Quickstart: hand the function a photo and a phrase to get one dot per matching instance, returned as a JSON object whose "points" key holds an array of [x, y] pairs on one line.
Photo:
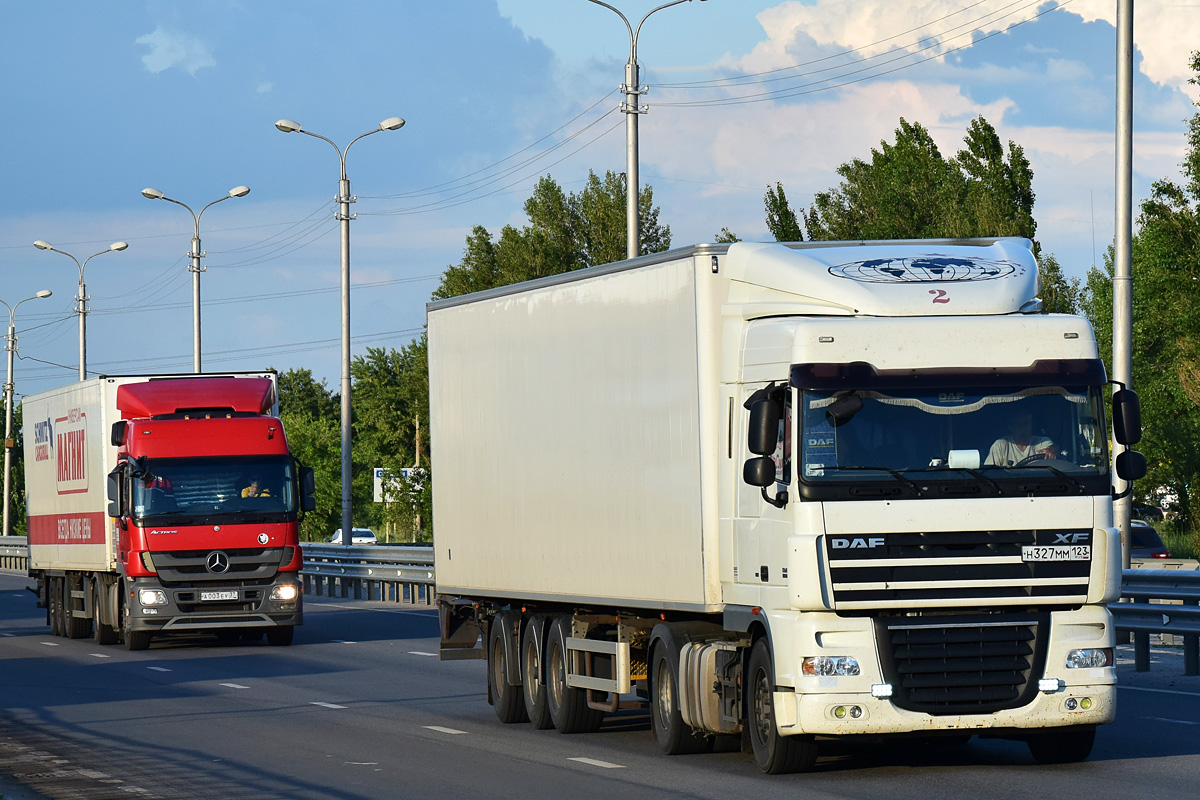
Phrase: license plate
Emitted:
{"points": [[1061, 552], [218, 596]]}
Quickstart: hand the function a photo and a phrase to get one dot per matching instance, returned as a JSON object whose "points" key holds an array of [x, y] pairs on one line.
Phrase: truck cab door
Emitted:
{"points": [[760, 529]]}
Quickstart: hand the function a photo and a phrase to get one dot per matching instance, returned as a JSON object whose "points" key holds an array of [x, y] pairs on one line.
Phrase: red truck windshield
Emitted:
{"points": [[204, 490]]}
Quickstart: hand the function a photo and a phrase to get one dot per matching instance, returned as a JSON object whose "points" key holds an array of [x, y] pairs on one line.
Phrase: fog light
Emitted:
{"points": [[1072, 704], [152, 597], [855, 712], [1089, 658], [284, 592], [840, 712], [1085, 703], [825, 666]]}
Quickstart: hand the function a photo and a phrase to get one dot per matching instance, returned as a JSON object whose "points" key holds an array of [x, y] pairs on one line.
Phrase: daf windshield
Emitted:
{"points": [[201, 491], [1037, 431]]}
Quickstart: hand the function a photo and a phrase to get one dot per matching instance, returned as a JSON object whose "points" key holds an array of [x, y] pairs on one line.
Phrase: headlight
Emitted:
{"points": [[830, 665], [152, 597], [1092, 657], [284, 592]]}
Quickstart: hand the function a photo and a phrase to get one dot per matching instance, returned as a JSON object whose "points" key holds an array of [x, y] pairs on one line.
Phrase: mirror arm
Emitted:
{"points": [[779, 501]]}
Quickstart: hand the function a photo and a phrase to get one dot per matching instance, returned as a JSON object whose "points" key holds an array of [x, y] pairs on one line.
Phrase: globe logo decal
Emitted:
{"points": [[925, 269]]}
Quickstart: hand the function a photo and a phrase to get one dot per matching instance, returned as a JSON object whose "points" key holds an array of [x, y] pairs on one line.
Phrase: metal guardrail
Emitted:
{"points": [[1163, 602], [13, 553], [369, 572]]}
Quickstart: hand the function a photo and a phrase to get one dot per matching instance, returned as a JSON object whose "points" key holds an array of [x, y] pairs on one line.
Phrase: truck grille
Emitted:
{"points": [[191, 566], [982, 568], [963, 665]]}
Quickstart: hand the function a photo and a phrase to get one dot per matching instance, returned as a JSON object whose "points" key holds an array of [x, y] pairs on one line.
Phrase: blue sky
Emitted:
{"points": [[102, 100]]}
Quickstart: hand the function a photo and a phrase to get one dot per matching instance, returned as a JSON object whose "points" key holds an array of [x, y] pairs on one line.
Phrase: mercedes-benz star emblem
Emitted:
{"points": [[217, 562]]}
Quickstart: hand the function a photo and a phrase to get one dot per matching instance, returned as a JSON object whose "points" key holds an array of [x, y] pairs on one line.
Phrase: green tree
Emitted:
{"points": [[726, 236], [781, 218], [299, 391], [908, 190], [1060, 294], [18, 518], [317, 442]]}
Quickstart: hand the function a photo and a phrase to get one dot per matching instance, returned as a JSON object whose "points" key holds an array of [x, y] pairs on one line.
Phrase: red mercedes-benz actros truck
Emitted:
{"points": [[165, 504]]}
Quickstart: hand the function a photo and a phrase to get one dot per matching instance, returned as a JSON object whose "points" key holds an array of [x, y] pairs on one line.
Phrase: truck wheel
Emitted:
{"points": [[102, 632], [508, 702], [137, 640], [675, 737], [282, 636], [568, 706], [1062, 746], [774, 754], [533, 687]]}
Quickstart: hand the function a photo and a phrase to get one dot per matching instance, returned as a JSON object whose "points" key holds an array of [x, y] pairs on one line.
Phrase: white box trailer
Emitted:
{"points": [[652, 477]]}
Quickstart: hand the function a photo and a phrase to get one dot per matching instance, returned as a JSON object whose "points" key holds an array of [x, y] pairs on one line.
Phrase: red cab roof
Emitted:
{"points": [[179, 395]]}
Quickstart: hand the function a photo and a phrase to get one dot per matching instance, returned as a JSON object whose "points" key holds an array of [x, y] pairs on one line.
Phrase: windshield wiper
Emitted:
{"points": [[916, 489]]}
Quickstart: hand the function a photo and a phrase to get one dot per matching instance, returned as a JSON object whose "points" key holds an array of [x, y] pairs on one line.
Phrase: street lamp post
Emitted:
{"points": [[633, 90], [195, 255], [10, 344], [343, 215], [82, 298]]}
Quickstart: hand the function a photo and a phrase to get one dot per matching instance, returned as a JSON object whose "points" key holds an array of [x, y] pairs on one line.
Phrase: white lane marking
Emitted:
{"points": [[1177, 721], [419, 653], [342, 641], [361, 763], [326, 705], [7, 634], [50, 644], [99, 655], [440, 729], [1160, 691], [595, 763], [235, 686], [159, 669]]}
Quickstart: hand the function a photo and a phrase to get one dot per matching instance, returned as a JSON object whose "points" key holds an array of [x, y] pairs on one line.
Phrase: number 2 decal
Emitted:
{"points": [[939, 295]]}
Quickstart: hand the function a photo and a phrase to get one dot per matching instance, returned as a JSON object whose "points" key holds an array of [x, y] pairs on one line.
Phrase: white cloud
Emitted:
{"points": [[1164, 34], [173, 49], [265, 87]]}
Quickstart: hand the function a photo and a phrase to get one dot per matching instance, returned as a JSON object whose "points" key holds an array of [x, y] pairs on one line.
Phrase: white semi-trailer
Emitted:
{"points": [[782, 491]]}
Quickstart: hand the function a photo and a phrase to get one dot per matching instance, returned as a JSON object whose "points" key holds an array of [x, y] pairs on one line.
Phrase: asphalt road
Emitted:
{"points": [[360, 707]]}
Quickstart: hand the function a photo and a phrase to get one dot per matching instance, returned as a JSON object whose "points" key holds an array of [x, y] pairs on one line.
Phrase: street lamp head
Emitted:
{"points": [[44, 293], [152, 194], [391, 124], [118, 245], [40, 245], [239, 191], [288, 126]]}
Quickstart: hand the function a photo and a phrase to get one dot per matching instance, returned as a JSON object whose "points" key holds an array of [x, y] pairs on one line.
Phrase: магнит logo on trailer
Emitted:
{"points": [[70, 446]]}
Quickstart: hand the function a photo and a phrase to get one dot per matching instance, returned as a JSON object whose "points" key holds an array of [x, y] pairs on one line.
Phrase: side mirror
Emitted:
{"points": [[759, 471], [1127, 417], [1131, 465], [763, 435], [308, 488], [843, 409], [116, 437], [114, 492]]}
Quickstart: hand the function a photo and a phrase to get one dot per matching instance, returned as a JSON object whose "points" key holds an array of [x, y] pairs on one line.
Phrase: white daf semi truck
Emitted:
{"points": [[782, 491]]}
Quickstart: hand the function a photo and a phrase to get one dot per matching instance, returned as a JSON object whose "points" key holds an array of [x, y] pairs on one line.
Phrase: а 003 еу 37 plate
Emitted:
{"points": [[1063, 552], [231, 595]]}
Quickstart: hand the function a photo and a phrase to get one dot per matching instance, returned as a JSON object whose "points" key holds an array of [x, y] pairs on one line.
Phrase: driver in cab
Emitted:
{"points": [[1021, 445]]}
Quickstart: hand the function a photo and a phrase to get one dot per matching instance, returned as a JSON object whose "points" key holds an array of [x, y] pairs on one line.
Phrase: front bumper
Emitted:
{"points": [[186, 610]]}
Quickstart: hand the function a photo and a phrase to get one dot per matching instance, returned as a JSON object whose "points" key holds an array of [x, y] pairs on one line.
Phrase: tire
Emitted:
{"points": [[1062, 746], [533, 686], [675, 737], [506, 699], [137, 640], [774, 754], [102, 633], [281, 636], [568, 706]]}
